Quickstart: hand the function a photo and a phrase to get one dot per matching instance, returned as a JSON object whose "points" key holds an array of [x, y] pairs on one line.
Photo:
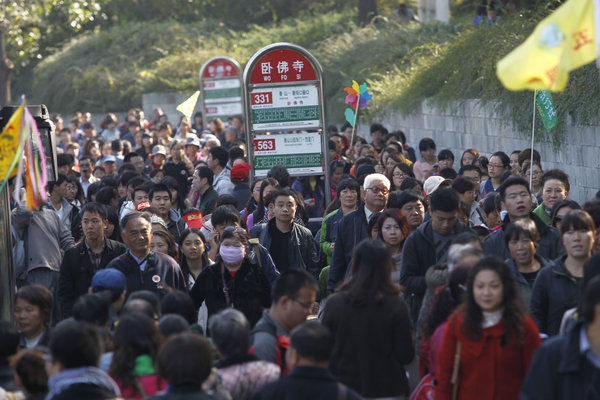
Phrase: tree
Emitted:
{"points": [[6, 67]]}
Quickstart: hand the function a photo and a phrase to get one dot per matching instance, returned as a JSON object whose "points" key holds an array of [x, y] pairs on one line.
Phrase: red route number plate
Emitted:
{"points": [[262, 98], [264, 144]]}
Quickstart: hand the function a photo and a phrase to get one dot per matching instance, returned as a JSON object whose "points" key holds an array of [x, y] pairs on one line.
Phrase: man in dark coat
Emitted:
{"points": [[91, 255], [145, 269], [516, 199], [567, 367], [310, 348], [353, 227], [429, 245]]}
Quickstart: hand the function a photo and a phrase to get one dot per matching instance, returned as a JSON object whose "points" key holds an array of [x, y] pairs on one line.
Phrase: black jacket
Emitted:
{"points": [[418, 254], [249, 291], [549, 246], [161, 276], [559, 371], [187, 392], [76, 272], [302, 249], [555, 291], [351, 230], [305, 383]]}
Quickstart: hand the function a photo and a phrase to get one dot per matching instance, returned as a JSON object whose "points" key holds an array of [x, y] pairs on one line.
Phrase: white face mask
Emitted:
{"points": [[232, 254]]}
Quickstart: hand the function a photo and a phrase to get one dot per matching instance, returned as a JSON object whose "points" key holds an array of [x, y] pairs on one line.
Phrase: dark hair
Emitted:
{"points": [[38, 296], [220, 154], [511, 299], [521, 228], [106, 194], [30, 367], [404, 168], [558, 175], [446, 300], [346, 183], [182, 258], [225, 215], [178, 302], [126, 176], [136, 335], [504, 158], [590, 299], [159, 187], [572, 204], [577, 220], [410, 183], [592, 207], [489, 203], [398, 199], [426, 143], [469, 167], [59, 181], [109, 180], [377, 127], [512, 181], [75, 344], [280, 174], [127, 158], [230, 332], [462, 185], [93, 189], [95, 208], [185, 358], [205, 172], [235, 153], [259, 213], [525, 155], [445, 154], [290, 282], [473, 152], [172, 324], [448, 173], [283, 192], [238, 233], [226, 200], [397, 216], [312, 340], [445, 200], [370, 279], [93, 308], [149, 297], [171, 247], [9, 341]]}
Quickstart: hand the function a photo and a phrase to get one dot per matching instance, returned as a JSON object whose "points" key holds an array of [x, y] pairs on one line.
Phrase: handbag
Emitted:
{"points": [[455, 371]]}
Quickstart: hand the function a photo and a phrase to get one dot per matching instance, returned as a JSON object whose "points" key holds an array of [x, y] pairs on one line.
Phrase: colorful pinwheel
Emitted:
{"points": [[357, 97]]}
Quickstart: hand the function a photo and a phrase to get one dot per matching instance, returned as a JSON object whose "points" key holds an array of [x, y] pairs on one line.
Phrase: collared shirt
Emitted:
{"points": [[95, 258], [141, 261], [586, 348], [368, 214]]}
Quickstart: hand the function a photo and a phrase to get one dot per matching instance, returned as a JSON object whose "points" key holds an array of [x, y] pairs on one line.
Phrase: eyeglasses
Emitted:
{"points": [[306, 305], [377, 190], [400, 176], [490, 165]]}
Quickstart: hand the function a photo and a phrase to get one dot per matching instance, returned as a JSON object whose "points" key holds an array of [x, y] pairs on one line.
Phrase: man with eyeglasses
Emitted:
{"points": [[353, 227], [429, 245], [516, 200], [86, 166]]}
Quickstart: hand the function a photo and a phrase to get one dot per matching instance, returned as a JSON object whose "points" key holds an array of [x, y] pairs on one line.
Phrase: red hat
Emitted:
{"points": [[142, 205], [239, 172], [193, 219]]}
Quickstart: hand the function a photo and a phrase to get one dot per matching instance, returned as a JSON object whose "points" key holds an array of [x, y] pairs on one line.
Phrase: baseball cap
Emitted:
{"points": [[193, 141], [239, 172], [432, 183], [159, 149], [109, 279], [109, 158]]}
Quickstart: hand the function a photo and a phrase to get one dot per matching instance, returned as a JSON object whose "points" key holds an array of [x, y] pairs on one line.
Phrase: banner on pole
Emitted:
{"points": [[545, 106]]}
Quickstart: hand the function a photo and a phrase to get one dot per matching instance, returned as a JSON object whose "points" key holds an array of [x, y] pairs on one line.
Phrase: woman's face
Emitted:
{"points": [[147, 141], [578, 242], [560, 214], [95, 150], [336, 175], [495, 168], [108, 231], [158, 244], [348, 198], [213, 127], [398, 176], [553, 192], [356, 147], [468, 197], [192, 247], [256, 191], [177, 152], [537, 175], [384, 157], [268, 190], [389, 163], [488, 290], [522, 250], [232, 242], [391, 233], [467, 159], [174, 194], [28, 318], [428, 154], [514, 163], [106, 149]]}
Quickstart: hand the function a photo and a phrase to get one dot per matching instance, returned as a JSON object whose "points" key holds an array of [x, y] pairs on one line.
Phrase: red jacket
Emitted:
{"points": [[488, 370]]}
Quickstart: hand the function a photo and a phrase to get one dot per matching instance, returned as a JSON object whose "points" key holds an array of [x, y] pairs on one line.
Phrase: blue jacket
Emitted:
{"points": [[559, 371], [549, 247], [351, 230]]}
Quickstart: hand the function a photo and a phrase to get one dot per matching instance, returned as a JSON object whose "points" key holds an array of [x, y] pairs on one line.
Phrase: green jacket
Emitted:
{"points": [[540, 211]]}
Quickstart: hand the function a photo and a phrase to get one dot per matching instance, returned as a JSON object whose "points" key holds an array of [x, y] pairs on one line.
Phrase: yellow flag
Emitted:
{"points": [[9, 144], [187, 107], [561, 42]]}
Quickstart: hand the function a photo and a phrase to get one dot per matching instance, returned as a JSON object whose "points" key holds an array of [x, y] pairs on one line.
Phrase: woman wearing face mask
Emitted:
{"points": [[233, 281]]}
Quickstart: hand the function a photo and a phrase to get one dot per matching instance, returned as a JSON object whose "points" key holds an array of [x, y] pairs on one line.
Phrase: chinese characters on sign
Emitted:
{"points": [[221, 89], [283, 66], [288, 108], [300, 153]]}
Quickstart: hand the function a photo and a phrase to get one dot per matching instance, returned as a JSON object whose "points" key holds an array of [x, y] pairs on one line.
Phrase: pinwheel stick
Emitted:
{"points": [[354, 125]]}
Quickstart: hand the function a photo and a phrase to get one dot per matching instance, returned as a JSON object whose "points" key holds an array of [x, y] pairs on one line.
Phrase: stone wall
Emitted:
{"points": [[471, 125]]}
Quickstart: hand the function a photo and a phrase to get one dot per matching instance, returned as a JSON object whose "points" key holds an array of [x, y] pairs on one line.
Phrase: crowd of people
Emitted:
{"points": [[159, 268]]}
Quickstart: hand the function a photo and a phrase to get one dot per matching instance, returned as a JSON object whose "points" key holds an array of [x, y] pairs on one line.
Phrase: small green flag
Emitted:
{"points": [[545, 106]]}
